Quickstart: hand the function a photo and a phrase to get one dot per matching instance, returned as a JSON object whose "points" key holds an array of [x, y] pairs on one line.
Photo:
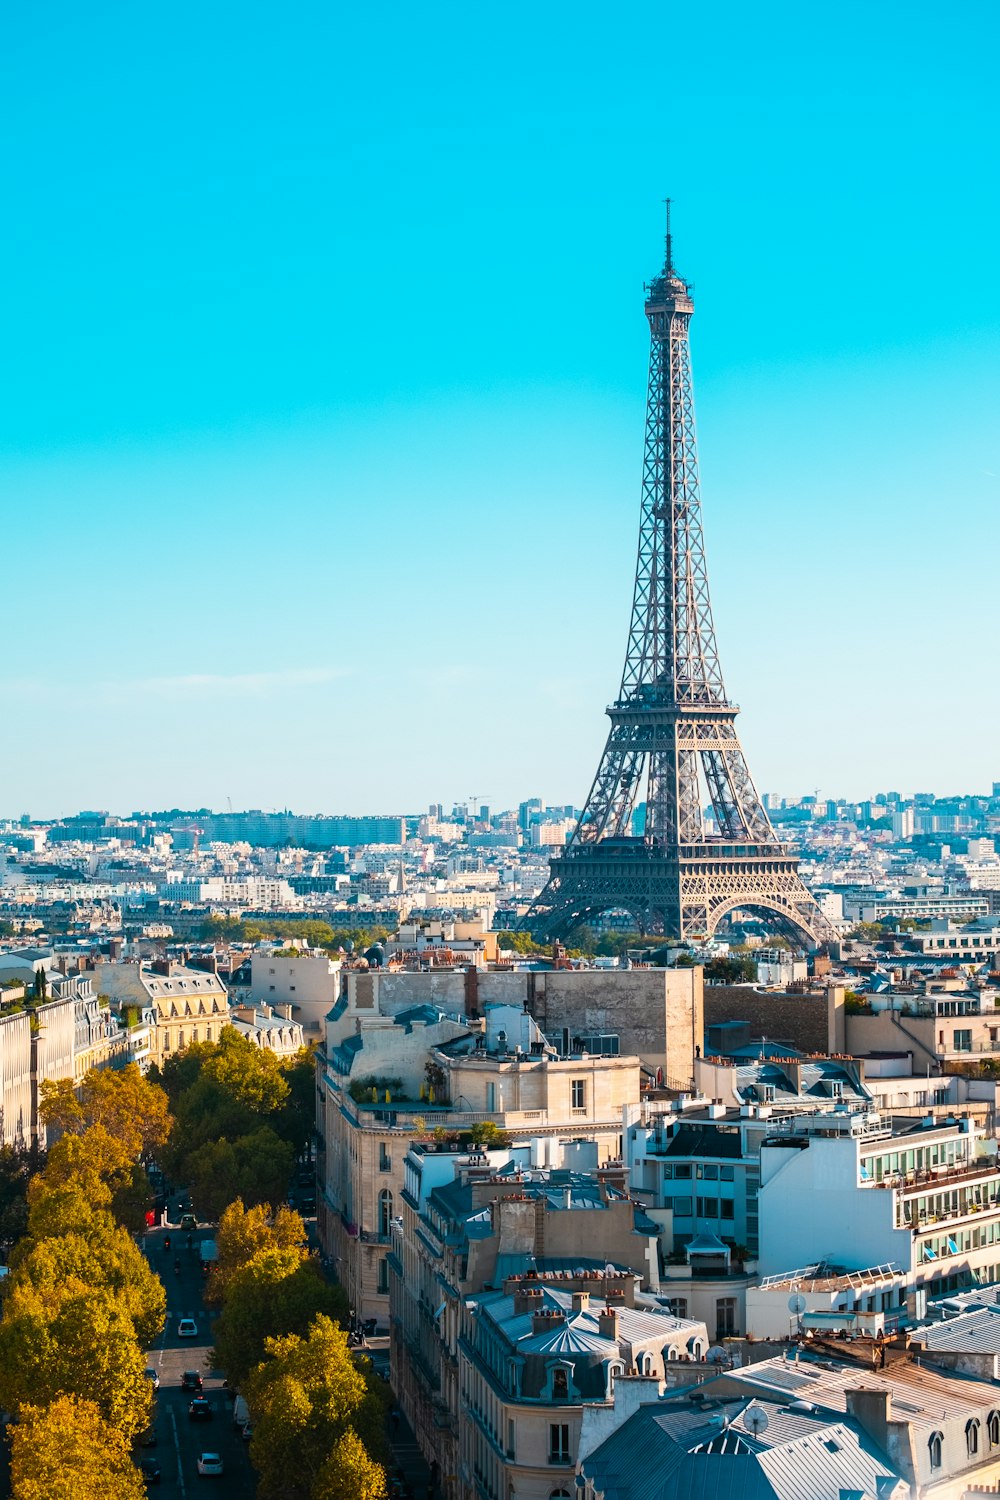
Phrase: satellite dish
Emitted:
{"points": [[716, 1355], [797, 1304], [755, 1417]]}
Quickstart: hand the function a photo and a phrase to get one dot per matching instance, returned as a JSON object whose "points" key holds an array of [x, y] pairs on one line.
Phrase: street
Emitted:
{"points": [[179, 1440]]}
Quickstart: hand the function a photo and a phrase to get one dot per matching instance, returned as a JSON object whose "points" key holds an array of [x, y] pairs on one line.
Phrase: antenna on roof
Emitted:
{"points": [[668, 261]]}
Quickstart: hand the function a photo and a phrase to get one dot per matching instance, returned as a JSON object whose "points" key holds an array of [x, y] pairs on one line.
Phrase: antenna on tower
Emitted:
{"points": [[668, 263]]}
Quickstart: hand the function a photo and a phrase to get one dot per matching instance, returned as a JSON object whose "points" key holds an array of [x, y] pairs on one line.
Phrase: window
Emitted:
{"points": [[559, 1443], [511, 1433], [726, 1174], [725, 1317], [993, 1428], [383, 1277], [678, 1306], [560, 1385], [709, 1173], [963, 1041], [559, 1495], [708, 1208], [384, 1159], [972, 1436], [683, 1208], [934, 1448], [384, 1212], [726, 1208], [578, 1093]]}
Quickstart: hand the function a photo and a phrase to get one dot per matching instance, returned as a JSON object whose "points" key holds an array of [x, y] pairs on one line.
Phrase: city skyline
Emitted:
{"points": [[323, 416]]}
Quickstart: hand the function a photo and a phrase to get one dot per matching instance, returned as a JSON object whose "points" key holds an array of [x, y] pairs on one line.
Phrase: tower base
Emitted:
{"points": [[681, 896]]}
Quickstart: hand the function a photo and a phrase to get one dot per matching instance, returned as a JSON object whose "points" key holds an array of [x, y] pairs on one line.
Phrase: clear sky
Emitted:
{"points": [[324, 359]]}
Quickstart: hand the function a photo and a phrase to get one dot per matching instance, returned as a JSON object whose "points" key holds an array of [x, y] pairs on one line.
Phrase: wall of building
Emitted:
{"points": [[15, 1079], [803, 1021], [812, 1207], [310, 985]]}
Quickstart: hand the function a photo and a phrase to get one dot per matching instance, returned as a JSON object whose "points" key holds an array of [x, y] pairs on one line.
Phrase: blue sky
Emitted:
{"points": [[323, 377]]}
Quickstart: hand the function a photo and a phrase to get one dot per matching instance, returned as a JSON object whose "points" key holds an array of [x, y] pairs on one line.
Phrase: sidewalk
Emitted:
{"points": [[412, 1478]]}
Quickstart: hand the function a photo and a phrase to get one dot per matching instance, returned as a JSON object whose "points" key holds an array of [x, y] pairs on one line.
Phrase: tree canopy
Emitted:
{"points": [[66, 1450], [277, 1292], [243, 1232], [318, 1419], [131, 1108], [241, 1115]]}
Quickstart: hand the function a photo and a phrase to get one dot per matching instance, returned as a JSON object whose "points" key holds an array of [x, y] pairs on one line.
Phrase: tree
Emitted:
{"points": [[274, 1294], [66, 1450], [295, 1122], [17, 1164], [255, 1168], [305, 1397], [244, 1232], [731, 969], [73, 1343], [350, 1473], [131, 1109], [106, 1258]]}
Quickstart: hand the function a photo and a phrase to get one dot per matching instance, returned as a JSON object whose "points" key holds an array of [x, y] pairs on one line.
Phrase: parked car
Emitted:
{"points": [[241, 1413], [200, 1410], [153, 1377], [210, 1463], [150, 1470], [187, 1328], [191, 1381], [247, 1432], [188, 1221]]}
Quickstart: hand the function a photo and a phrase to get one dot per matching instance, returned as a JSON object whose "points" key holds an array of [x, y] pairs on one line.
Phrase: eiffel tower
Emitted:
{"points": [[673, 744]]}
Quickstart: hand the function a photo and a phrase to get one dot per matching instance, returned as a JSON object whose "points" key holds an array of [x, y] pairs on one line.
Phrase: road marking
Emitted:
{"points": [[177, 1445]]}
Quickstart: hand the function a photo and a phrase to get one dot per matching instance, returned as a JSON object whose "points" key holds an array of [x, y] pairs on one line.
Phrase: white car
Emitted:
{"points": [[187, 1328], [210, 1463], [153, 1378]]}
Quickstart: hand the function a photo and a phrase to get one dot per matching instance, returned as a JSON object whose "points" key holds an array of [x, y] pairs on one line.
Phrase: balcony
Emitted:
{"points": [[930, 1178]]}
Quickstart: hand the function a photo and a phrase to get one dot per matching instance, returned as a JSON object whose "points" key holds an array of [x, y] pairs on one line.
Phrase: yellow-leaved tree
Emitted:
{"points": [[66, 1451]]}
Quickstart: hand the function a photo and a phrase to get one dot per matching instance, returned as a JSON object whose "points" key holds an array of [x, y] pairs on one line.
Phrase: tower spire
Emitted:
{"points": [[668, 259]]}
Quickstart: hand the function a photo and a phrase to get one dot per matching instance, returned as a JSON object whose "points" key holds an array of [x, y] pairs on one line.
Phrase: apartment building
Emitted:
{"points": [[306, 980], [516, 1301], [387, 1076], [190, 1005], [863, 1190]]}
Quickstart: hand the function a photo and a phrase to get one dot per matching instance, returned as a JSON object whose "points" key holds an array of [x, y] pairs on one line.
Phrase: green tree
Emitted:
{"points": [[254, 1167], [274, 1294], [17, 1165], [305, 1397], [65, 1451], [731, 969]]}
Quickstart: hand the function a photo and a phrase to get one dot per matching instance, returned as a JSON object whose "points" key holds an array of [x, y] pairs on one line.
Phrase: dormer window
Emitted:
{"points": [[560, 1385]]}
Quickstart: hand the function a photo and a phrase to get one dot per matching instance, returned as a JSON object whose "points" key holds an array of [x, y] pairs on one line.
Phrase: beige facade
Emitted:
{"points": [[191, 1005], [15, 1079], [495, 1370], [548, 1103], [308, 982]]}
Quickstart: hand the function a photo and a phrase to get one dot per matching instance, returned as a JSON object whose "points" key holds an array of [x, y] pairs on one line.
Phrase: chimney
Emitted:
{"points": [[581, 1301], [607, 1324], [527, 1299], [871, 1407], [546, 1322], [472, 992]]}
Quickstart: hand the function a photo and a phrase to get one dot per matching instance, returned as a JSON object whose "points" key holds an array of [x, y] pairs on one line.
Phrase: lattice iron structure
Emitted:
{"points": [[673, 747]]}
